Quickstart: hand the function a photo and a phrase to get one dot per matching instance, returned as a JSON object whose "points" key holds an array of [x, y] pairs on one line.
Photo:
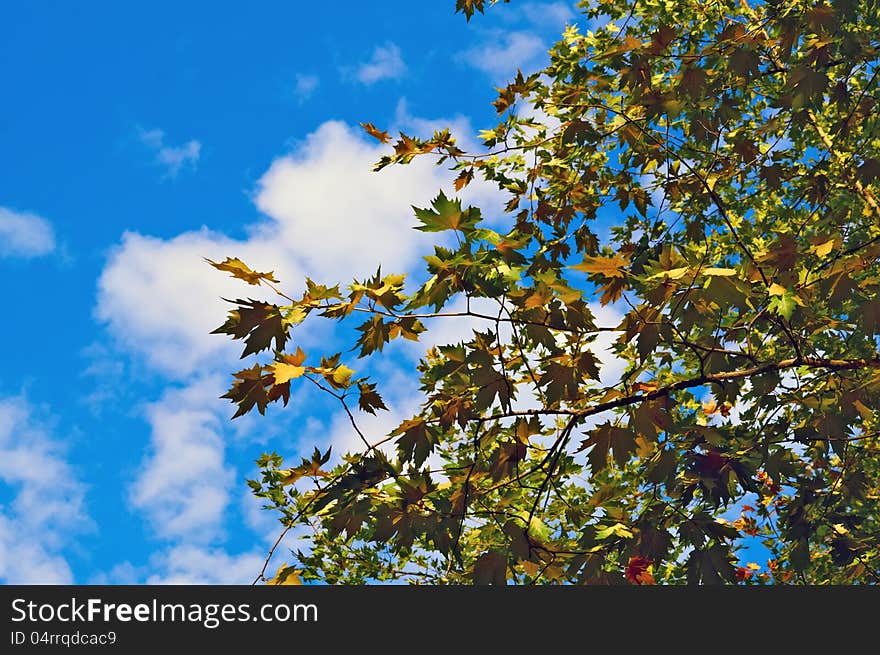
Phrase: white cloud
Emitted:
{"points": [[47, 505], [260, 520], [336, 216], [548, 13], [122, 573], [188, 564], [172, 158], [161, 299], [502, 53], [305, 86], [25, 235], [385, 64], [184, 485]]}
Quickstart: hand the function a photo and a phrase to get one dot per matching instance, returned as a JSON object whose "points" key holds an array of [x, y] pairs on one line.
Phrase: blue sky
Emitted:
{"points": [[137, 140]]}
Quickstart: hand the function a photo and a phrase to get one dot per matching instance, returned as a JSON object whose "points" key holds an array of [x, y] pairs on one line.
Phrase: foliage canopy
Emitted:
{"points": [[735, 144]]}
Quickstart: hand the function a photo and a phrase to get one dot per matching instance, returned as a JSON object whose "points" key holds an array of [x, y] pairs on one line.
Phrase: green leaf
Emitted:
{"points": [[447, 214], [258, 323], [605, 438], [369, 400]]}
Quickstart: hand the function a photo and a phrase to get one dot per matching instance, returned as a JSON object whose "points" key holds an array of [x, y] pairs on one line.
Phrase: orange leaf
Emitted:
{"points": [[464, 178]]}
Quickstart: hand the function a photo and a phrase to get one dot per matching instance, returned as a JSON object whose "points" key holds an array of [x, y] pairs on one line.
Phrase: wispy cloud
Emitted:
{"points": [[385, 64], [172, 158], [547, 13], [188, 564], [184, 565], [503, 52], [25, 235], [183, 487], [305, 86], [47, 501]]}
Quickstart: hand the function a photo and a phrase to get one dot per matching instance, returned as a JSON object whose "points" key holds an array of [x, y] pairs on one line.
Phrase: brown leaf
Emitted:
{"points": [[464, 178], [490, 568], [375, 132], [242, 271]]}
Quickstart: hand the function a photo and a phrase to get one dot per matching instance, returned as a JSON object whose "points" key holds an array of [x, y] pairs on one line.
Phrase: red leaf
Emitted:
{"points": [[638, 570]]}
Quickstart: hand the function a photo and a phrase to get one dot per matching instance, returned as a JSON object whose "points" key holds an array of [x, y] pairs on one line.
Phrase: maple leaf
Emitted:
{"points": [[339, 377], [249, 390], [612, 290], [628, 44], [661, 39], [490, 568], [375, 333], [783, 301], [415, 442], [369, 400], [258, 323], [610, 267], [376, 133], [286, 372], [464, 178], [242, 271], [870, 316], [286, 575], [639, 571], [606, 438], [446, 214], [822, 250], [693, 80], [782, 254]]}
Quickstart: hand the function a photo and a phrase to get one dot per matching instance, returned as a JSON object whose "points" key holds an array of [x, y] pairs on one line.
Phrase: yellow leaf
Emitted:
{"points": [[286, 575], [293, 315], [723, 272], [608, 266], [242, 271], [777, 290], [342, 374], [672, 274], [823, 249], [289, 476], [286, 372]]}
